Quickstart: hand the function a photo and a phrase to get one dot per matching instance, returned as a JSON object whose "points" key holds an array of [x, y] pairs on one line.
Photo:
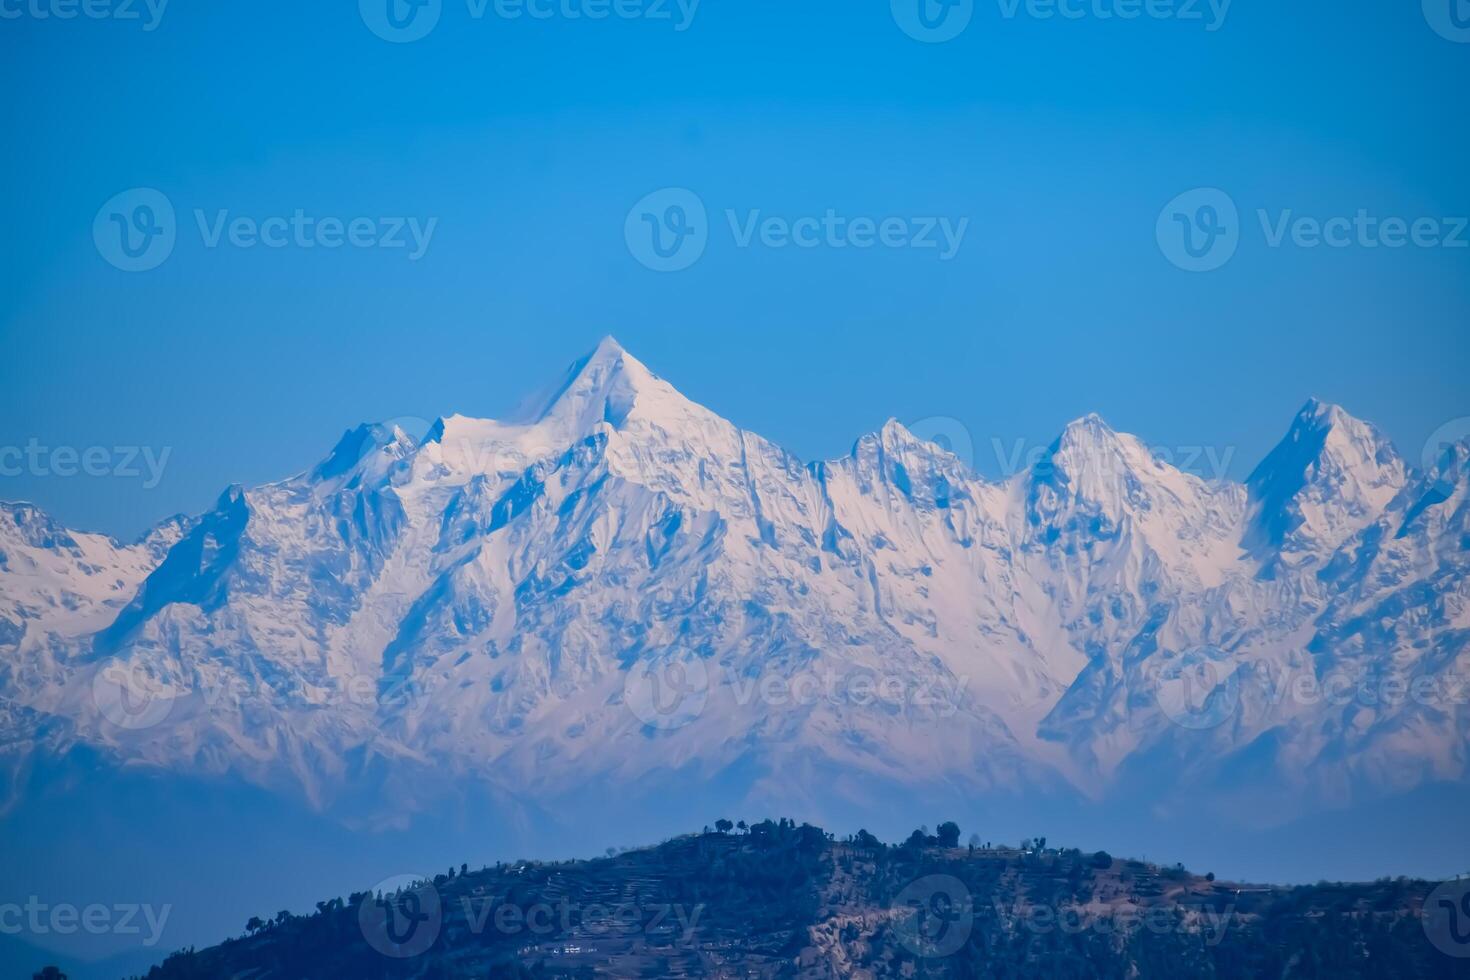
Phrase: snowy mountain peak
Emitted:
{"points": [[608, 347], [1327, 479], [607, 373], [1349, 441], [24, 522], [1091, 460], [918, 471], [1091, 424], [896, 437], [1316, 408], [359, 443], [606, 391], [1338, 430], [1089, 435], [609, 386], [893, 451], [512, 578]]}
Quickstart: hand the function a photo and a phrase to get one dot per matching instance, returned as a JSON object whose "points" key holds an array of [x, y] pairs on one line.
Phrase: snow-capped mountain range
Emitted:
{"points": [[618, 584]]}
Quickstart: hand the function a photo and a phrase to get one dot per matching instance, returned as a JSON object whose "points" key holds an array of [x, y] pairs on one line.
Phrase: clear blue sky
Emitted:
{"points": [[530, 140]]}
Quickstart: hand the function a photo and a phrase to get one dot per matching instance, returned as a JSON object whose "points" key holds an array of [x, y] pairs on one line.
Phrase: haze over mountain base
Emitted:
{"points": [[617, 615]]}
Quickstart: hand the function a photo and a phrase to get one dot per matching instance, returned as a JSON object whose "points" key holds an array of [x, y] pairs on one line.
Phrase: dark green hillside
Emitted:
{"points": [[781, 900]]}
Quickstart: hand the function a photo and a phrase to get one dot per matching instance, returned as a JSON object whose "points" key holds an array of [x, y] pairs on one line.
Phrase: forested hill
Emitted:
{"points": [[781, 900]]}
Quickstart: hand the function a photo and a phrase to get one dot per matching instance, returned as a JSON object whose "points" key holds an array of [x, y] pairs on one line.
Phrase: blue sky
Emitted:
{"points": [[527, 141]]}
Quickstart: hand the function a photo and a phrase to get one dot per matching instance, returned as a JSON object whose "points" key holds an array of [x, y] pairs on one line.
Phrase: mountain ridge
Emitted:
{"points": [[505, 587]]}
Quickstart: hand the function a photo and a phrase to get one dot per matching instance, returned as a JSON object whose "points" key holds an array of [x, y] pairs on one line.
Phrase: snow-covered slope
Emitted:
{"points": [[617, 583]]}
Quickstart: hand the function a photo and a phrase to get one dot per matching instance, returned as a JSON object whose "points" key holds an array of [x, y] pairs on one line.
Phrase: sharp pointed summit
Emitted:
{"points": [[607, 390], [893, 436], [1091, 461], [606, 385], [602, 386], [1328, 478]]}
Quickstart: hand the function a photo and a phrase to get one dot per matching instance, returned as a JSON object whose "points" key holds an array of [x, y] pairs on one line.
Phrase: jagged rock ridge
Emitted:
{"points": [[484, 604]]}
